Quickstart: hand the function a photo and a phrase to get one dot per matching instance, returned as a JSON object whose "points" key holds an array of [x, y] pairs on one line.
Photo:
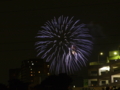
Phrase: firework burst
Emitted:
{"points": [[64, 43]]}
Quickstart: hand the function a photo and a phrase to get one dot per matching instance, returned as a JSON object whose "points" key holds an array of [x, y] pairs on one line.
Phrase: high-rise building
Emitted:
{"points": [[34, 70]]}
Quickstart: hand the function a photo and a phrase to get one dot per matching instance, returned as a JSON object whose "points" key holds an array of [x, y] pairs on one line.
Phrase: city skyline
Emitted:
{"points": [[19, 26]]}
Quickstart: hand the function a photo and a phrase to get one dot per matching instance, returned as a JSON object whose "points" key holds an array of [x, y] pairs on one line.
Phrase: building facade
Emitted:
{"points": [[34, 70], [108, 73]]}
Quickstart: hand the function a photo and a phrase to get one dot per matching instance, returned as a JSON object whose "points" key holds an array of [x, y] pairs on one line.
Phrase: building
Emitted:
{"points": [[34, 70], [107, 73]]}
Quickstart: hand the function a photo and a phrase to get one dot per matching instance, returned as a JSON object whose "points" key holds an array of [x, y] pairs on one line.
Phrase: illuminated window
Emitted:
{"points": [[104, 69], [47, 66], [32, 63], [38, 71], [48, 73], [30, 68], [28, 61], [73, 86], [116, 80], [31, 74]]}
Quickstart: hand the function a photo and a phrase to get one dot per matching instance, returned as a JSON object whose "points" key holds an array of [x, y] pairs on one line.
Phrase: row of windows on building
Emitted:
{"points": [[47, 65], [34, 74], [33, 64]]}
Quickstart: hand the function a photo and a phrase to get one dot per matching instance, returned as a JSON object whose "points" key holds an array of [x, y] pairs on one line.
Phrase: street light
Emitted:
{"points": [[100, 54], [115, 53]]}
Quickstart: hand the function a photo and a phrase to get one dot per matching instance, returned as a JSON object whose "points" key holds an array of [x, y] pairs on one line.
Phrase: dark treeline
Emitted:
{"points": [[52, 82]]}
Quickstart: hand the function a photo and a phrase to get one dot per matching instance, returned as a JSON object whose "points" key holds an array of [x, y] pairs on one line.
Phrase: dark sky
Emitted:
{"points": [[20, 20]]}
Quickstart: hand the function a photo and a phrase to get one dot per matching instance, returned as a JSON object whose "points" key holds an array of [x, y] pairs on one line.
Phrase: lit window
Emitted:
{"points": [[116, 80], [31, 74], [47, 66], [48, 73], [32, 63], [31, 69], [73, 86], [38, 71], [105, 68], [28, 61]]}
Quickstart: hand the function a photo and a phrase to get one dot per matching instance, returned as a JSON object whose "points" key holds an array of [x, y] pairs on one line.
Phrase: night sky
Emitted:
{"points": [[20, 21]]}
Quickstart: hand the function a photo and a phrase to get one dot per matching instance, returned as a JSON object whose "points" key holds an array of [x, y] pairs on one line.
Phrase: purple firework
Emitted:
{"points": [[64, 43]]}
